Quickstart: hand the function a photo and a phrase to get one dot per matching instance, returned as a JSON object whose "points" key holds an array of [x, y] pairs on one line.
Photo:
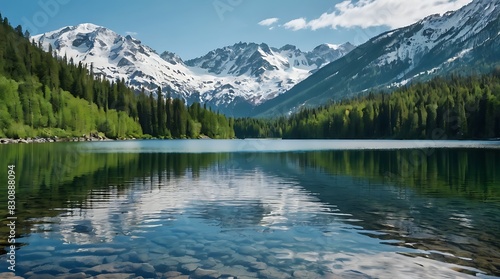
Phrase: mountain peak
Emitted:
{"points": [[464, 41], [82, 28], [171, 58], [87, 26], [288, 47], [326, 46], [242, 75]]}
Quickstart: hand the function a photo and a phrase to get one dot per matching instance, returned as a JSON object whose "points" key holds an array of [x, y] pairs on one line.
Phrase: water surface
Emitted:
{"points": [[257, 209]]}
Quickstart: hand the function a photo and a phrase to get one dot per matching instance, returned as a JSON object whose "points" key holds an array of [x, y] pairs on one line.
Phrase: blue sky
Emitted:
{"points": [[191, 28]]}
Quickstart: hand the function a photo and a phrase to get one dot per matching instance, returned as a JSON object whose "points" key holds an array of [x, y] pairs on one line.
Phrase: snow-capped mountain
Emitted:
{"points": [[464, 41], [326, 53], [254, 60], [233, 78], [117, 57]]}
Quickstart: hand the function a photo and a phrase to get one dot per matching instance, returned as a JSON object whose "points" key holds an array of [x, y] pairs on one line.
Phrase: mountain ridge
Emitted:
{"points": [[466, 40], [248, 73]]}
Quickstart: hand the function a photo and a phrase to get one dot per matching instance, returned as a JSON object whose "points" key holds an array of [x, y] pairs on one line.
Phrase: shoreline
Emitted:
{"points": [[93, 138], [72, 139], [53, 139]]}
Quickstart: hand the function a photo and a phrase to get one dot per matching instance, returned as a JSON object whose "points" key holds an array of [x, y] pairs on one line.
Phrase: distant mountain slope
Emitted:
{"points": [[233, 79], [463, 41], [254, 59]]}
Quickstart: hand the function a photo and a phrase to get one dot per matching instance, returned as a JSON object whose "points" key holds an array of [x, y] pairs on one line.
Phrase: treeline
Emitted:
{"points": [[45, 95], [443, 108], [171, 119]]}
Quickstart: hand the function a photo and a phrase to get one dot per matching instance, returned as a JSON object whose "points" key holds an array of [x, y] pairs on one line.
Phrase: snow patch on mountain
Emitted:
{"points": [[465, 41], [247, 72], [451, 29]]}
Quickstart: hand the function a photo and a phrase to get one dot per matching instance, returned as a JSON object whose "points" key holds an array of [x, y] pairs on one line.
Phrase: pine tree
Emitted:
{"points": [[161, 114]]}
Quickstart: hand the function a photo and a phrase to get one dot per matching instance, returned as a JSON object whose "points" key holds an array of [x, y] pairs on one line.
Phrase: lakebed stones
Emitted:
{"points": [[110, 259], [50, 269], [238, 259], [79, 275], [106, 251], [10, 275], [36, 256], [258, 266], [306, 274], [81, 261], [185, 259], [179, 252], [237, 271], [144, 269], [135, 257], [274, 273], [164, 265], [201, 273], [218, 252], [166, 241], [171, 274], [248, 250], [115, 276], [190, 267]]}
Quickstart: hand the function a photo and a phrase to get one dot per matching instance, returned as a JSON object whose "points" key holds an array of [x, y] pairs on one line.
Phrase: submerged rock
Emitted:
{"points": [[258, 266], [190, 267], [248, 250], [165, 265], [79, 275], [209, 263], [165, 241], [237, 271], [146, 270], [274, 273], [51, 269], [171, 274], [10, 275], [81, 261], [105, 251], [115, 276], [306, 274], [135, 257], [185, 259], [205, 274]]}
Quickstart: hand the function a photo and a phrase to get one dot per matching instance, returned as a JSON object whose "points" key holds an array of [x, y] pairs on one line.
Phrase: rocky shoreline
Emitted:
{"points": [[53, 139]]}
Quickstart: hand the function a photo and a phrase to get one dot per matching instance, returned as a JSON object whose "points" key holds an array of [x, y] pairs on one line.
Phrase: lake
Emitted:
{"points": [[254, 209]]}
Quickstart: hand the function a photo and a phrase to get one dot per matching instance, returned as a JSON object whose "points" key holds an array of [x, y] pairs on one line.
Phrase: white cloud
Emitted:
{"points": [[296, 24], [370, 13], [131, 33], [268, 21]]}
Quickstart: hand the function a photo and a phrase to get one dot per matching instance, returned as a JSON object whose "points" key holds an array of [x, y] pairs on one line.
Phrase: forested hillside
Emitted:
{"points": [[444, 108], [45, 96]]}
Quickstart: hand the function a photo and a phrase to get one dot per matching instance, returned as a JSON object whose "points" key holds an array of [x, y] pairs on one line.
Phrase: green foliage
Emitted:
{"points": [[451, 108], [41, 95], [19, 131]]}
